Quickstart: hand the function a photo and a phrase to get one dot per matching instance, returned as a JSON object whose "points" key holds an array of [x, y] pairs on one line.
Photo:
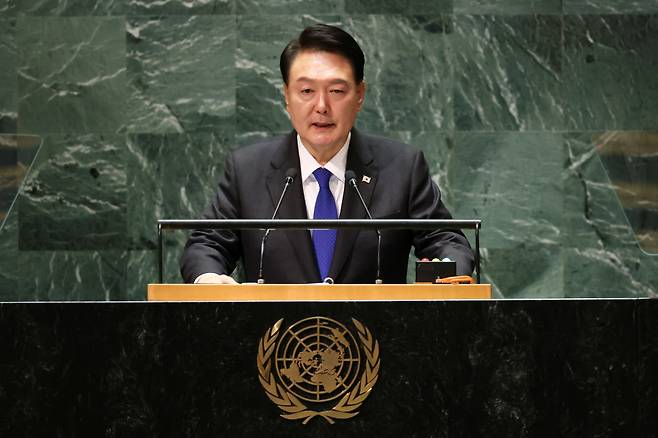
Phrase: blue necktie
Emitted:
{"points": [[324, 241]]}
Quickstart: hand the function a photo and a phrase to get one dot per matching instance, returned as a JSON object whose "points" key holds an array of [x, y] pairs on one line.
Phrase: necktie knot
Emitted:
{"points": [[322, 175]]}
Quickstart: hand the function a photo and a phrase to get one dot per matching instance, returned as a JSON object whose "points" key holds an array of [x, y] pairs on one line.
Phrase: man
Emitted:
{"points": [[324, 91]]}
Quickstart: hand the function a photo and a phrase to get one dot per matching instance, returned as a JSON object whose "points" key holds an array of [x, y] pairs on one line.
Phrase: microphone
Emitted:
{"points": [[350, 177], [291, 174]]}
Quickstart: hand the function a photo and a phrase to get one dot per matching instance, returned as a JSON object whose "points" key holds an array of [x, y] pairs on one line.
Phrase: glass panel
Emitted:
{"points": [[17, 153], [631, 161]]}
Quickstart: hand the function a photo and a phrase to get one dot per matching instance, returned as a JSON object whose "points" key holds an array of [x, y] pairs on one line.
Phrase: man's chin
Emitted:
{"points": [[322, 140]]}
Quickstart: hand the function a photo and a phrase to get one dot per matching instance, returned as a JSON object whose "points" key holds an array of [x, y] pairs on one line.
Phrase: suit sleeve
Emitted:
{"points": [[425, 203], [215, 251]]}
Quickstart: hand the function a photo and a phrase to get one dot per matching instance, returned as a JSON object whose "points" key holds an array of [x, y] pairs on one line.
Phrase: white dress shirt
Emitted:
{"points": [[310, 185]]}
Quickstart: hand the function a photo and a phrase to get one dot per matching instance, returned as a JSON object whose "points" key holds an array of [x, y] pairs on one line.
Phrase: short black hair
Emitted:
{"points": [[324, 38]]}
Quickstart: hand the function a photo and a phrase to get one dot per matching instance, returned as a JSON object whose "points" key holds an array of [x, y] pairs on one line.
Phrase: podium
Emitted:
{"points": [[431, 367]]}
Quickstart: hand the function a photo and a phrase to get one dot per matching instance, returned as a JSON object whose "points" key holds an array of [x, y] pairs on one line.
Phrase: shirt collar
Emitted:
{"points": [[336, 165]]}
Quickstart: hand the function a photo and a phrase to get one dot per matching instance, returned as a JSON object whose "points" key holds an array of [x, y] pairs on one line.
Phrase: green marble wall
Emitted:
{"points": [[540, 117]]}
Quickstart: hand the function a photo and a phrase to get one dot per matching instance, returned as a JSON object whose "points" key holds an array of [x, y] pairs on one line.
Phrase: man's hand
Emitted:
{"points": [[212, 278]]}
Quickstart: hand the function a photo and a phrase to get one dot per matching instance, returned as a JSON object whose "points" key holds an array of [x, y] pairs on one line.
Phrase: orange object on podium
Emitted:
{"points": [[318, 292]]}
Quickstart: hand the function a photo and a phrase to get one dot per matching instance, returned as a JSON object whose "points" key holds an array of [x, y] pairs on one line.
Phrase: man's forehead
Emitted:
{"points": [[314, 65]]}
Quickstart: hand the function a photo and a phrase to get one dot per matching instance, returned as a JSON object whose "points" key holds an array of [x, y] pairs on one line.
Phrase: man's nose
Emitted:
{"points": [[321, 104]]}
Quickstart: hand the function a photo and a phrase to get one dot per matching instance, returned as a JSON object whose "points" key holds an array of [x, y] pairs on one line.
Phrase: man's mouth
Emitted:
{"points": [[322, 125]]}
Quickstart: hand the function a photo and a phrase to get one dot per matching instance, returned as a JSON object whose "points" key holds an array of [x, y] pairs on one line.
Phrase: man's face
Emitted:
{"points": [[323, 100]]}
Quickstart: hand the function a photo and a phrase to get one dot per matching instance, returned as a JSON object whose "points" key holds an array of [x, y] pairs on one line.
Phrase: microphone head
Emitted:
{"points": [[350, 176], [291, 174]]}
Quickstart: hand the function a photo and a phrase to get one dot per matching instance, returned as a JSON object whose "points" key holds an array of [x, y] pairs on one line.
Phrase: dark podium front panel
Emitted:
{"points": [[574, 368]]}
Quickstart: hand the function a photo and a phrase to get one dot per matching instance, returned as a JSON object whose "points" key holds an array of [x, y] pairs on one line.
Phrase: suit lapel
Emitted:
{"points": [[360, 160], [293, 205]]}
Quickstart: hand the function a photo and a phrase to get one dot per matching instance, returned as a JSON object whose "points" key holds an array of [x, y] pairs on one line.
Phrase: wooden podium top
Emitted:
{"points": [[317, 292]]}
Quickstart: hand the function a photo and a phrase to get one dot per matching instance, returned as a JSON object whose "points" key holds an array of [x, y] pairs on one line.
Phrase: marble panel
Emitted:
{"points": [[412, 7], [9, 259], [180, 7], [573, 7], [295, 7], [71, 75], [75, 195], [508, 72], [608, 73], [172, 176], [508, 7], [189, 186], [8, 81], [609, 273], [525, 271], [8, 7], [408, 71], [512, 181], [145, 197], [438, 148], [71, 275], [182, 73], [72, 7]]}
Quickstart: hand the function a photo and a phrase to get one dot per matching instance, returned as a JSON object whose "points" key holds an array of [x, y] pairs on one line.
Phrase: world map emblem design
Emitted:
{"points": [[317, 367]]}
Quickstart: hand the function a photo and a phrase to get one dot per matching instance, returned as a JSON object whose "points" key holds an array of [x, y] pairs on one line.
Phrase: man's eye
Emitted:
{"points": [[337, 91], [306, 91]]}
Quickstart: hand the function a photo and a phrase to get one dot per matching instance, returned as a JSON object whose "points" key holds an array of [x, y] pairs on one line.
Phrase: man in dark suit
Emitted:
{"points": [[324, 91]]}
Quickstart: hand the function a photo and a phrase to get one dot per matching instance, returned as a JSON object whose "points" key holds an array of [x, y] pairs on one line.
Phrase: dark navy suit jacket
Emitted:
{"points": [[400, 186]]}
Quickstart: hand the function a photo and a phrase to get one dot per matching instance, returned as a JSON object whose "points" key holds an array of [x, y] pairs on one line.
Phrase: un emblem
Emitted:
{"points": [[317, 367]]}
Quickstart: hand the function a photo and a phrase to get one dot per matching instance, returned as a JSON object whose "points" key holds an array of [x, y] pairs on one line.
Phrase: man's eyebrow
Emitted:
{"points": [[332, 81]]}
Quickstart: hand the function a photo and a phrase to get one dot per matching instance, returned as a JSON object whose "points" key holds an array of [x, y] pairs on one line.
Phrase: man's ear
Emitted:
{"points": [[361, 93], [285, 94]]}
